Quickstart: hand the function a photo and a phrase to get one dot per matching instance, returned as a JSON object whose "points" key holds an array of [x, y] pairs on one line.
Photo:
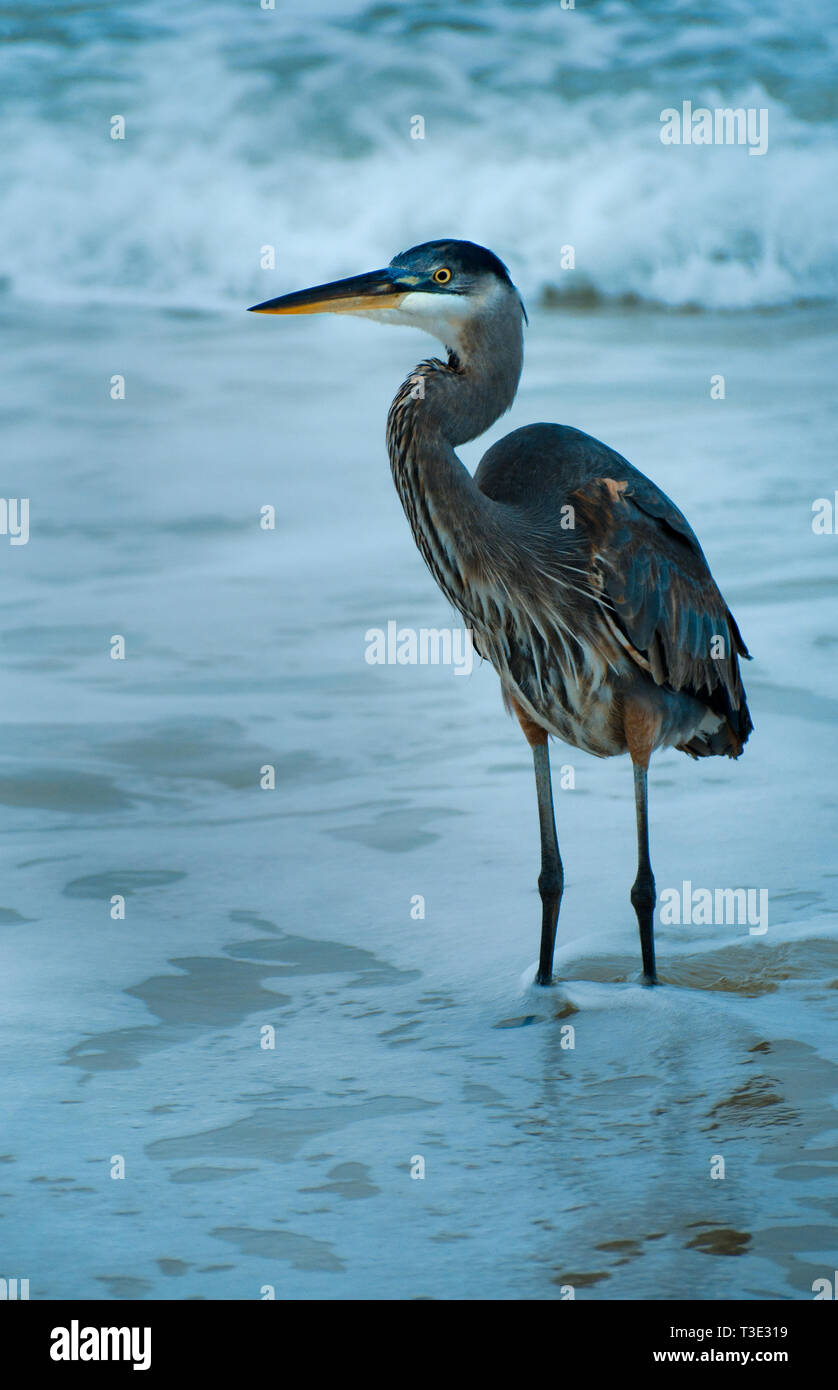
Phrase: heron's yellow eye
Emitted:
{"points": [[442, 276]]}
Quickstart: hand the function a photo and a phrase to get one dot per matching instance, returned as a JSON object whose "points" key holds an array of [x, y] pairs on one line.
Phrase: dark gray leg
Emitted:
{"points": [[551, 878], [643, 896]]}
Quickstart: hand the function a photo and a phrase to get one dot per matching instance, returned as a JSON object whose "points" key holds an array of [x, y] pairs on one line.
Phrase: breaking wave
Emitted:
{"points": [[291, 128]]}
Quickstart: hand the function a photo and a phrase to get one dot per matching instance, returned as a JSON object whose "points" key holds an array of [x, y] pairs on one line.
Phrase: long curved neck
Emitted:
{"points": [[441, 405]]}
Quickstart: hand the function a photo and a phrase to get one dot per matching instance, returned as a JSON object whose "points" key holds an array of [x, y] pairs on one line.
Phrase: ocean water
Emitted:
{"points": [[291, 127], [289, 1167]]}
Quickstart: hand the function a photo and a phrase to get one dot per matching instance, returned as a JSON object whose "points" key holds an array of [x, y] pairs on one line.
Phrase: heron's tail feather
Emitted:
{"points": [[727, 739]]}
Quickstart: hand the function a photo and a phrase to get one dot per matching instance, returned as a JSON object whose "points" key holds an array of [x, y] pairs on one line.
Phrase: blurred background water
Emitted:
{"points": [[290, 1167], [291, 125]]}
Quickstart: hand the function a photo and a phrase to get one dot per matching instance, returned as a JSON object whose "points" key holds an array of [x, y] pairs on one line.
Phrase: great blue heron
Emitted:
{"points": [[583, 584]]}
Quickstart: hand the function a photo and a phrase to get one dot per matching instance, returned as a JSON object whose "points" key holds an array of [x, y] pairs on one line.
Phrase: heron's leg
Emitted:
{"points": [[643, 889], [551, 878]]}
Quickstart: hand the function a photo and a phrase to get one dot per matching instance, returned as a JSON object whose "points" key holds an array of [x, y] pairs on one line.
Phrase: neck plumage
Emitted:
{"points": [[441, 405]]}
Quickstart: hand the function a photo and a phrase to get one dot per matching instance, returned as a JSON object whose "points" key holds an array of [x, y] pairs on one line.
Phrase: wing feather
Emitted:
{"points": [[665, 600]]}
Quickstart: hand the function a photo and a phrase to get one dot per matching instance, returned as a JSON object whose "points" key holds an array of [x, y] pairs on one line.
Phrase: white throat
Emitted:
{"points": [[444, 316]]}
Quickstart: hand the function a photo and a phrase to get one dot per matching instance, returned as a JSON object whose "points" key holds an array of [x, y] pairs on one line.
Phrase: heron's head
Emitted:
{"points": [[445, 287]]}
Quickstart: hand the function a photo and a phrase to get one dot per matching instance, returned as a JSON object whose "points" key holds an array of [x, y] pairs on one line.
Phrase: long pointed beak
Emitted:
{"points": [[378, 289]]}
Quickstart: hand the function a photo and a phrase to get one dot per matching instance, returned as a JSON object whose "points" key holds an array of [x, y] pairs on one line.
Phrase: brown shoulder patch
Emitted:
{"points": [[595, 503], [615, 489]]}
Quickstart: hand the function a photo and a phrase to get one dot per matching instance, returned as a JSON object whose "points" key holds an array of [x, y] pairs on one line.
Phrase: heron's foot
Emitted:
{"points": [[544, 978], [648, 980]]}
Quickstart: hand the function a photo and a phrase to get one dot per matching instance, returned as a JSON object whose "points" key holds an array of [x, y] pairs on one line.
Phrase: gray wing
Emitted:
{"points": [[642, 555]]}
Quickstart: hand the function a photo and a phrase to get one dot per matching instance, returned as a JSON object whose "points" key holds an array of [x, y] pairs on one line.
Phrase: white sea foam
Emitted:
{"points": [[247, 128]]}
